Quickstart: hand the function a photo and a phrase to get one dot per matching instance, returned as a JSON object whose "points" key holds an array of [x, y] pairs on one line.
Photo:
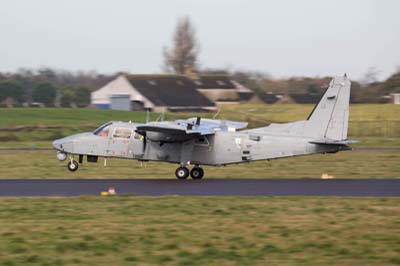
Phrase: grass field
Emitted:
{"points": [[30, 128], [340, 165], [199, 231], [129, 230], [264, 113], [65, 117], [377, 123]]}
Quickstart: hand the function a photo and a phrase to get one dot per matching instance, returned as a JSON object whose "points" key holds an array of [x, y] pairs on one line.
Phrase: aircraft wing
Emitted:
{"points": [[191, 126], [168, 128], [217, 123]]}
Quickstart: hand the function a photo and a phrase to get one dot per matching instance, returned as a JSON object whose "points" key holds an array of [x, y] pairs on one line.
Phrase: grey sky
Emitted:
{"points": [[308, 37]]}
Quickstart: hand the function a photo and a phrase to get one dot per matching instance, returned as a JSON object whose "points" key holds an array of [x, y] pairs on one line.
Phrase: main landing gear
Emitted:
{"points": [[183, 172]]}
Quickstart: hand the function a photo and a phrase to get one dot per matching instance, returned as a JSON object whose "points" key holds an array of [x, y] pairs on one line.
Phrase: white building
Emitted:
{"points": [[395, 98], [155, 92]]}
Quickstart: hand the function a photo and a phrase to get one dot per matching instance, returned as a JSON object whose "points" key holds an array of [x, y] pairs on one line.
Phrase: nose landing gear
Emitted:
{"points": [[72, 165], [183, 172]]}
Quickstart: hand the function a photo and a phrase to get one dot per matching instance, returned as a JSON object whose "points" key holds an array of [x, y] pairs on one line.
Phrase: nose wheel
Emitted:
{"points": [[72, 165], [183, 172]]}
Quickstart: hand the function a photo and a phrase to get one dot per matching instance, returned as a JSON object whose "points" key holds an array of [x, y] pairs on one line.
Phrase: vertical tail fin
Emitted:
{"points": [[330, 117]]}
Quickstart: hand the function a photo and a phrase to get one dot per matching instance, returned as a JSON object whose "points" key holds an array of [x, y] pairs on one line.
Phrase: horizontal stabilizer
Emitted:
{"points": [[334, 142]]}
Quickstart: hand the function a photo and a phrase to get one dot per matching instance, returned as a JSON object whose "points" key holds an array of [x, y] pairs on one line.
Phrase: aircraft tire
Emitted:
{"points": [[197, 173], [182, 173], [72, 166]]}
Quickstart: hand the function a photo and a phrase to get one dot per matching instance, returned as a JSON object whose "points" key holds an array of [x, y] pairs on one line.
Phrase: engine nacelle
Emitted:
{"points": [[167, 137], [61, 156]]}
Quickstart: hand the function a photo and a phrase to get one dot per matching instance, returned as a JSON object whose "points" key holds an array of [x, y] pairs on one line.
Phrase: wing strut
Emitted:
{"points": [[186, 152]]}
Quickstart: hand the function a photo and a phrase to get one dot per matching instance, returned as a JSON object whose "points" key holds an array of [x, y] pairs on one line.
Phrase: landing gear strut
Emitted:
{"points": [[183, 172], [72, 165]]}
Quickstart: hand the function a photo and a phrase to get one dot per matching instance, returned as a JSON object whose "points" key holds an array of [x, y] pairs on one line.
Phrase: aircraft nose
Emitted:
{"points": [[58, 144]]}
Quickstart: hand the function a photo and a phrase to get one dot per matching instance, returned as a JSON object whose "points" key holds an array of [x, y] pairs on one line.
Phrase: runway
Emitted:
{"points": [[206, 187]]}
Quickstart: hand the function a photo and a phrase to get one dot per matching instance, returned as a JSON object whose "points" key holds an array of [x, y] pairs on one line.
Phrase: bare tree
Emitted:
{"points": [[183, 55], [371, 76]]}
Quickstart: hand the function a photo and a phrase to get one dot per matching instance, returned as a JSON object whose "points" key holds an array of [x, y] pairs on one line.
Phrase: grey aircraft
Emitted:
{"points": [[197, 141]]}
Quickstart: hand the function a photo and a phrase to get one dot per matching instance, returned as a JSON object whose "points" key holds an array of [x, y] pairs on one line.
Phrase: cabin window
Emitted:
{"points": [[121, 132]]}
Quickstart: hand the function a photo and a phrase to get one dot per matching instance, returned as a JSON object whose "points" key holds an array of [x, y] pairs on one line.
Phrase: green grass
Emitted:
{"points": [[32, 145], [30, 128], [340, 165], [258, 114], [65, 117], [45, 124], [366, 120], [199, 231], [282, 113], [376, 142]]}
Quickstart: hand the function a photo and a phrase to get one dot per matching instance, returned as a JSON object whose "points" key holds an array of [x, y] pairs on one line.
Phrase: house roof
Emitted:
{"points": [[214, 82], [169, 90]]}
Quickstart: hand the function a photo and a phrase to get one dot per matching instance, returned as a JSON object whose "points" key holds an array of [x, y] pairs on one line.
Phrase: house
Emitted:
{"points": [[156, 92], [395, 98], [270, 98], [305, 98], [221, 89]]}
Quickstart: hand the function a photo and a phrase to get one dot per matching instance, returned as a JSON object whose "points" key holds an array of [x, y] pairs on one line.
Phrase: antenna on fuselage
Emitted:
{"points": [[219, 110], [160, 117]]}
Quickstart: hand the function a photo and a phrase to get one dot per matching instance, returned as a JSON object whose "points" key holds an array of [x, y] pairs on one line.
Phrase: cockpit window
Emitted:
{"points": [[103, 130], [137, 136], [122, 132]]}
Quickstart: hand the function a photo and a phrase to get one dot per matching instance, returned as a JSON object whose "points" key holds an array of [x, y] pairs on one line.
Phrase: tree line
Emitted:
{"points": [[61, 88], [49, 87]]}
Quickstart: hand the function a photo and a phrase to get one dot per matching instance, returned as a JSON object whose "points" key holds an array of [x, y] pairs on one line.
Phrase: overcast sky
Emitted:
{"points": [[282, 38]]}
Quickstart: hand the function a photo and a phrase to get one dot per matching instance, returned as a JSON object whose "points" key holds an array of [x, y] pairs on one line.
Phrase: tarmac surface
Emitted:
{"points": [[206, 187]]}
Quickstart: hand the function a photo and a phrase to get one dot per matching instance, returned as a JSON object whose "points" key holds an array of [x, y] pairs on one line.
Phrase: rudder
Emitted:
{"points": [[330, 117]]}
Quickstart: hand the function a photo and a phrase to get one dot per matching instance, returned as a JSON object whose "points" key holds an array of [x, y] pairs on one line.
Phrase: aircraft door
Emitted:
{"points": [[136, 146], [99, 145], [246, 149], [119, 142]]}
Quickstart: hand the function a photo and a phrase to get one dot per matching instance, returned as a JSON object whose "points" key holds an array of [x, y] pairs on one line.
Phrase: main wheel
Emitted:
{"points": [[72, 166], [197, 173], [182, 172]]}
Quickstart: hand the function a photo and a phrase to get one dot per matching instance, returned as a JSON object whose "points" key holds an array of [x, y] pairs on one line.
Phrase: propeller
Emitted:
{"points": [[144, 142]]}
